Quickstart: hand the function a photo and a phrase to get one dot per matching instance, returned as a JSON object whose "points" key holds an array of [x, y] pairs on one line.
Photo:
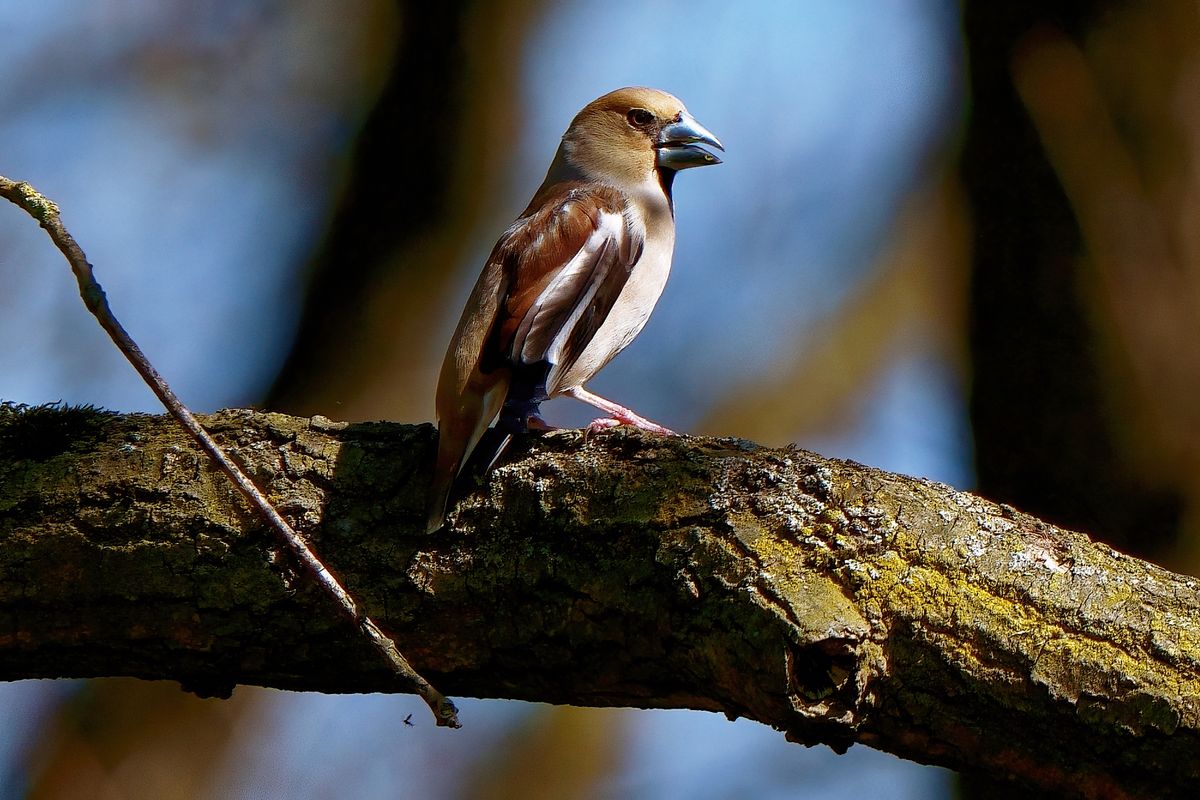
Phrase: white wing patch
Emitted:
{"points": [[565, 289], [639, 294]]}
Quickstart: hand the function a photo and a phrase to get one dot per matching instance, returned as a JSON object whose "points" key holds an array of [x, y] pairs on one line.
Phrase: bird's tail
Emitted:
{"points": [[449, 460], [483, 456]]}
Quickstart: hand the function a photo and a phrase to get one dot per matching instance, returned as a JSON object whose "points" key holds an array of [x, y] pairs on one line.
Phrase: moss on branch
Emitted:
{"points": [[835, 602]]}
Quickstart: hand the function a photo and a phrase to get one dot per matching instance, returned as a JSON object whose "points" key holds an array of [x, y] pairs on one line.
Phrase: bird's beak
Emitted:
{"points": [[677, 144]]}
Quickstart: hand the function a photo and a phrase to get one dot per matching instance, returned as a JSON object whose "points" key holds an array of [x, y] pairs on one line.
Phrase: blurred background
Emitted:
{"points": [[956, 240]]}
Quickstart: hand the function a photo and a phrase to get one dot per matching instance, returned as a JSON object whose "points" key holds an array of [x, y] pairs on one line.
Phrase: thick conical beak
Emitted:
{"points": [[678, 144]]}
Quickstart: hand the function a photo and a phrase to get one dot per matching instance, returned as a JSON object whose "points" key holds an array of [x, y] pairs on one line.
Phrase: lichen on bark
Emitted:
{"points": [[835, 602]]}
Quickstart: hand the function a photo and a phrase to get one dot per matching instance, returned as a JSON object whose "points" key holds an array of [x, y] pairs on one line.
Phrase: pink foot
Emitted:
{"points": [[641, 423], [618, 415], [645, 424]]}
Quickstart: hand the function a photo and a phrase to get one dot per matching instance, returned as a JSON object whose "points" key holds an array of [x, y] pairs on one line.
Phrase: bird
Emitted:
{"points": [[572, 281]]}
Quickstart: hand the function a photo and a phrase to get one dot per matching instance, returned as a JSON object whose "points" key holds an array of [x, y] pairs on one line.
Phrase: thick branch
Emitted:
{"points": [[833, 601]]}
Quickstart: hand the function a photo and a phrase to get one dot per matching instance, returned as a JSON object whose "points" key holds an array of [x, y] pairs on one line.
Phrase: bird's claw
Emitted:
{"points": [[633, 420], [601, 424]]}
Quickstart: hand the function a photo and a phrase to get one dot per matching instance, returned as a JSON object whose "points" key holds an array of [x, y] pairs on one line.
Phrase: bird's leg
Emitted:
{"points": [[618, 415], [521, 420], [522, 405]]}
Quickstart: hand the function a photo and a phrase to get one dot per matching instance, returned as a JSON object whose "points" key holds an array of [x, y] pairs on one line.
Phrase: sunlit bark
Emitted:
{"points": [[836, 602]]}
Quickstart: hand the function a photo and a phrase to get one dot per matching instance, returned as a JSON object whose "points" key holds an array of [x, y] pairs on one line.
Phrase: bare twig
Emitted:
{"points": [[46, 213]]}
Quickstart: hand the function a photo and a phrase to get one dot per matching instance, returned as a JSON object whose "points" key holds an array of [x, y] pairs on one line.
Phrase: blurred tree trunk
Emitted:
{"points": [[1045, 413], [426, 163], [1040, 407]]}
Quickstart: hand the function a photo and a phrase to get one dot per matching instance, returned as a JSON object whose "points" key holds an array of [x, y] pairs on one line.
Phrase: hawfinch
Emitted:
{"points": [[572, 281]]}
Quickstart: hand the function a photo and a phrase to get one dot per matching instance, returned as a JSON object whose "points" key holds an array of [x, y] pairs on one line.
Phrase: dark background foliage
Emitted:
{"points": [[957, 241]]}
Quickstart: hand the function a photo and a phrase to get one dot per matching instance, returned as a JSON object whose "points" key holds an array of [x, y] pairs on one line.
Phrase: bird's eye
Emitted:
{"points": [[639, 117]]}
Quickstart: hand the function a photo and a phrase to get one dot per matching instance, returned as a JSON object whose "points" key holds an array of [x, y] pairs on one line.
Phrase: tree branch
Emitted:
{"points": [[47, 214], [835, 602]]}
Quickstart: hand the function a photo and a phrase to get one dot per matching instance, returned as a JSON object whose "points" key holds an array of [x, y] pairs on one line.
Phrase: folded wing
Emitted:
{"points": [[546, 289], [566, 265]]}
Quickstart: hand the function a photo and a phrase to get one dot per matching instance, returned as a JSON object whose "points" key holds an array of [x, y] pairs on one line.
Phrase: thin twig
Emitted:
{"points": [[47, 215]]}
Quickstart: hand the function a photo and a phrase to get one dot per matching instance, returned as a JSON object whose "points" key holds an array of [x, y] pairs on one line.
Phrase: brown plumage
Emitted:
{"points": [[573, 280]]}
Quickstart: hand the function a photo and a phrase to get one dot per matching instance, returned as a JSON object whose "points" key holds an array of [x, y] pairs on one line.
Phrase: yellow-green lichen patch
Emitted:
{"points": [[818, 606], [748, 529], [832, 516], [978, 629], [821, 610], [1176, 638]]}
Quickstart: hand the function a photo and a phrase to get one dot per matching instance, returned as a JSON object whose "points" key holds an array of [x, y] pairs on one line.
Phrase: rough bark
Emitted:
{"points": [[836, 602]]}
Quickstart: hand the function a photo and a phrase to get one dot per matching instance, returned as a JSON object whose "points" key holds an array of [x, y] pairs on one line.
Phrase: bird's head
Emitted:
{"points": [[626, 135]]}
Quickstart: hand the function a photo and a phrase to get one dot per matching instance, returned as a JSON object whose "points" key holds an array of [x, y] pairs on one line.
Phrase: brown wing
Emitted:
{"points": [[567, 264], [468, 396], [544, 292]]}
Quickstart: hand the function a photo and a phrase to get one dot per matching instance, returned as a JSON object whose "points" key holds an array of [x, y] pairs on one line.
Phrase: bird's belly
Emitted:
{"points": [[628, 315]]}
